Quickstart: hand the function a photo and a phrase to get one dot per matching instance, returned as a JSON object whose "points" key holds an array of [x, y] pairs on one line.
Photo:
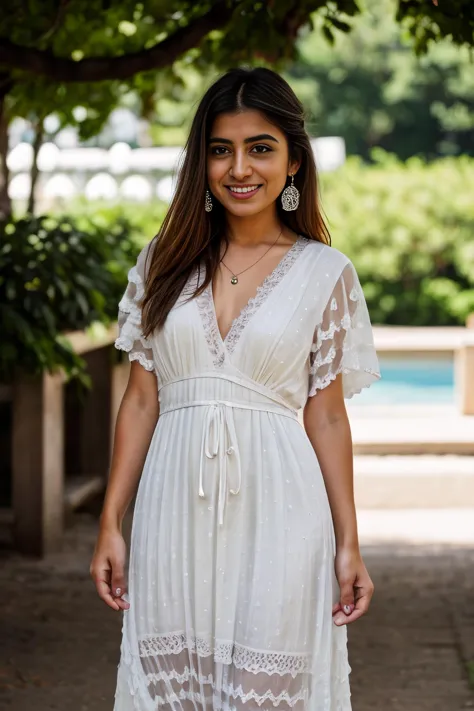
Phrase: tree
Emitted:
{"points": [[74, 41], [48, 47], [374, 90], [55, 55]]}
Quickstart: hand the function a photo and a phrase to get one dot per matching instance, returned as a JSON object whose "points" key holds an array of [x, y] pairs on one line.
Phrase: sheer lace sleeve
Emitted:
{"points": [[130, 338], [343, 340]]}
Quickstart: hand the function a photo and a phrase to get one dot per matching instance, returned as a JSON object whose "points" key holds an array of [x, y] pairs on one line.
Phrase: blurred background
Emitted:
{"points": [[96, 99]]}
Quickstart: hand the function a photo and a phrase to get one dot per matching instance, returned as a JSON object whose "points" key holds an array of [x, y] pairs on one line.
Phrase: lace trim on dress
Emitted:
{"points": [[358, 356], [205, 306], [263, 291], [241, 657], [320, 383], [231, 692], [344, 323], [205, 301], [130, 338], [136, 279], [329, 681], [143, 360]]}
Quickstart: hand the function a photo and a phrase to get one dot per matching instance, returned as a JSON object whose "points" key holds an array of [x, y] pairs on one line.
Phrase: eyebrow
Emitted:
{"points": [[251, 139]]}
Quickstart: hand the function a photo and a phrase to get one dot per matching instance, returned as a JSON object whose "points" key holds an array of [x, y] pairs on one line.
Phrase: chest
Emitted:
{"points": [[237, 285], [267, 322]]}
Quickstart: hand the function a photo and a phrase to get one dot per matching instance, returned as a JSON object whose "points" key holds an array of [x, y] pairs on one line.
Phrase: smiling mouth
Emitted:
{"points": [[244, 191]]}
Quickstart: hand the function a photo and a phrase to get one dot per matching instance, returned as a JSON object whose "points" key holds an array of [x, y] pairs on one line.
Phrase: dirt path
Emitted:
{"points": [[59, 645]]}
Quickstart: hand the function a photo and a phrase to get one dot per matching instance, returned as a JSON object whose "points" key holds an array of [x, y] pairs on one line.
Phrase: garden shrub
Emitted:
{"points": [[409, 229], [56, 277]]}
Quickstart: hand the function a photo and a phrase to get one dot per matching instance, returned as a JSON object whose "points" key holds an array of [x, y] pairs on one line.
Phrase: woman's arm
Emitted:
{"points": [[327, 426], [136, 421]]}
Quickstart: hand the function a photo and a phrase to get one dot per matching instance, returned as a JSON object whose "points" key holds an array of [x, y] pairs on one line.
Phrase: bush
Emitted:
{"points": [[142, 221], [409, 229], [56, 277]]}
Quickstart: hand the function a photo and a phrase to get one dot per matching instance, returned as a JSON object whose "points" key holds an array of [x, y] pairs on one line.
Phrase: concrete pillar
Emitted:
{"points": [[464, 378], [38, 463], [94, 416]]}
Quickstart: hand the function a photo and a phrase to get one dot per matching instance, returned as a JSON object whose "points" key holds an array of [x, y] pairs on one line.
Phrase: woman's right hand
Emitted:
{"points": [[107, 568]]}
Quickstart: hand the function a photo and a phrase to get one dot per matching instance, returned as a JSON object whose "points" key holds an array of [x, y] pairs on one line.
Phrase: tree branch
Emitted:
{"points": [[58, 20], [44, 63]]}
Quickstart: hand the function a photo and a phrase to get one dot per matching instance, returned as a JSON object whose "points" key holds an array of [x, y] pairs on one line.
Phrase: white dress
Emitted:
{"points": [[231, 574]]}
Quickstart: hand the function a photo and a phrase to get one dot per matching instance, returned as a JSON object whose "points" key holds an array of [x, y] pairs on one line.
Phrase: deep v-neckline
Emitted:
{"points": [[220, 345]]}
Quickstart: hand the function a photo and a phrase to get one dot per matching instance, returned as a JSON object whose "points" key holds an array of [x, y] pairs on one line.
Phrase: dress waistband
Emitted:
{"points": [[219, 437], [241, 380]]}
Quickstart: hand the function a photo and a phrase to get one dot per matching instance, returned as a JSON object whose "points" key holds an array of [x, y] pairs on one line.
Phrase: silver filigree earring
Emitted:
{"points": [[290, 197], [208, 202]]}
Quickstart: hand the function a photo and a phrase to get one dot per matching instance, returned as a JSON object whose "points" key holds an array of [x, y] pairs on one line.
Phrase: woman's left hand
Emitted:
{"points": [[355, 585]]}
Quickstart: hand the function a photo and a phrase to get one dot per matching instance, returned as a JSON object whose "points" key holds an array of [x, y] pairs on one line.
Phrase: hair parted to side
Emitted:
{"points": [[189, 234]]}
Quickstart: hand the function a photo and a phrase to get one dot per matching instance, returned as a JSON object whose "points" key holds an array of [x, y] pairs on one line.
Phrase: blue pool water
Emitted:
{"points": [[411, 380]]}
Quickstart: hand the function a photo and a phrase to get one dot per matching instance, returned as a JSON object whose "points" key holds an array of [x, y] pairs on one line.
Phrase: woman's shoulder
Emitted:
{"points": [[142, 264], [325, 256]]}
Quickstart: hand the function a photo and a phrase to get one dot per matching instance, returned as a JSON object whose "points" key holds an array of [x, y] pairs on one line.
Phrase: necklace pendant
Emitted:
{"points": [[234, 280]]}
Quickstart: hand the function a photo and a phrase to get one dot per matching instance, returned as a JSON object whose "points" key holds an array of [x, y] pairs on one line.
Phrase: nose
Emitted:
{"points": [[241, 167]]}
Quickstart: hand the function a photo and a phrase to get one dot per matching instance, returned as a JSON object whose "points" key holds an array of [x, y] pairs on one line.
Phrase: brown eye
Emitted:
{"points": [[216, 150], [262, 149]]}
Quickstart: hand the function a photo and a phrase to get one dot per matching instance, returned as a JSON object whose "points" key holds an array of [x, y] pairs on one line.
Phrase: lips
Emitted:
{"points": [[243, 192]]}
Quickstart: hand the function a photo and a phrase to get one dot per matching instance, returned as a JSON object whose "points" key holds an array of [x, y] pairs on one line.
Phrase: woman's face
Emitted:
{"points": [[247, 162]]}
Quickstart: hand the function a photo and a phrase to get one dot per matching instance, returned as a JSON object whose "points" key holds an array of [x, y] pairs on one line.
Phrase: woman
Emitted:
{"points": [[244, 563]]}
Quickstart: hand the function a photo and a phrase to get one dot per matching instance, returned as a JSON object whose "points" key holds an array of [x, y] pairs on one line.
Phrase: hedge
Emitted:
{"points": [[57, 277], [409, 229]]}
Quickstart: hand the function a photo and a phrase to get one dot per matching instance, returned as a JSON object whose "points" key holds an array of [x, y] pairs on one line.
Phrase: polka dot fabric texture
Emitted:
{"points": [[231, 572]]}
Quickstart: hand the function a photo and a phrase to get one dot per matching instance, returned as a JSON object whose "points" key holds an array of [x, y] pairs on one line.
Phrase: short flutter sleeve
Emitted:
{"points": [[343, 340], [130, 338]]}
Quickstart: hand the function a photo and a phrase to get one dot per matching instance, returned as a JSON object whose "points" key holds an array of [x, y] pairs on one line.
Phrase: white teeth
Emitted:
{"points": [[243, 190]]}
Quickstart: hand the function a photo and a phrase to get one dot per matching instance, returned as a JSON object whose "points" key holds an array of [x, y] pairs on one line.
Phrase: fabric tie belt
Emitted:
{"points": [[219, 438]]}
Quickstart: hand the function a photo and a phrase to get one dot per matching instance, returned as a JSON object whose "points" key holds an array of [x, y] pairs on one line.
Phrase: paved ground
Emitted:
{"points": [[59, 644]]}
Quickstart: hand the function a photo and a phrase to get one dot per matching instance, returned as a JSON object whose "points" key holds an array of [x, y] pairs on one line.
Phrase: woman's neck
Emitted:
{"points": [[256, 229]]}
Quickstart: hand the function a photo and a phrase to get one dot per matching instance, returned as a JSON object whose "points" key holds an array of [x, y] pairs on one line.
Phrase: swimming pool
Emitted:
{"points": [[410, 379]]}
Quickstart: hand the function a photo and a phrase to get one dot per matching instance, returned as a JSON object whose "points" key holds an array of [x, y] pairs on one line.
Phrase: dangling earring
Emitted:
{"points": [[208, 202], [290, 197]]}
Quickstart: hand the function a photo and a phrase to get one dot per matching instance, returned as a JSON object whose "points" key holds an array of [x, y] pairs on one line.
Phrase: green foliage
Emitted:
{"points": [[429, 22], [140, 223], [57, 277], [36, 37], [373, 90], [59, 55], [408, 227]]}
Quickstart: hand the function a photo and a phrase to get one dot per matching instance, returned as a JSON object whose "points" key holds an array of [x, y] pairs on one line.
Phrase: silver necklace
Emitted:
{"points": [[234, 279]]}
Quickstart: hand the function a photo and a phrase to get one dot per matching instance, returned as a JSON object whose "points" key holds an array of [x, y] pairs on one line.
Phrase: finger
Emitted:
{"points": [[361, 608], [118, 584], [342, 619], [119, 587], [336, 608], [347, 597], [103, 589], [123, 602]]}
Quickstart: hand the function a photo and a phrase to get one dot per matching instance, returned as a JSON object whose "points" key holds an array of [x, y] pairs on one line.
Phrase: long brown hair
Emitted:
{"points": [[190, 236]]}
